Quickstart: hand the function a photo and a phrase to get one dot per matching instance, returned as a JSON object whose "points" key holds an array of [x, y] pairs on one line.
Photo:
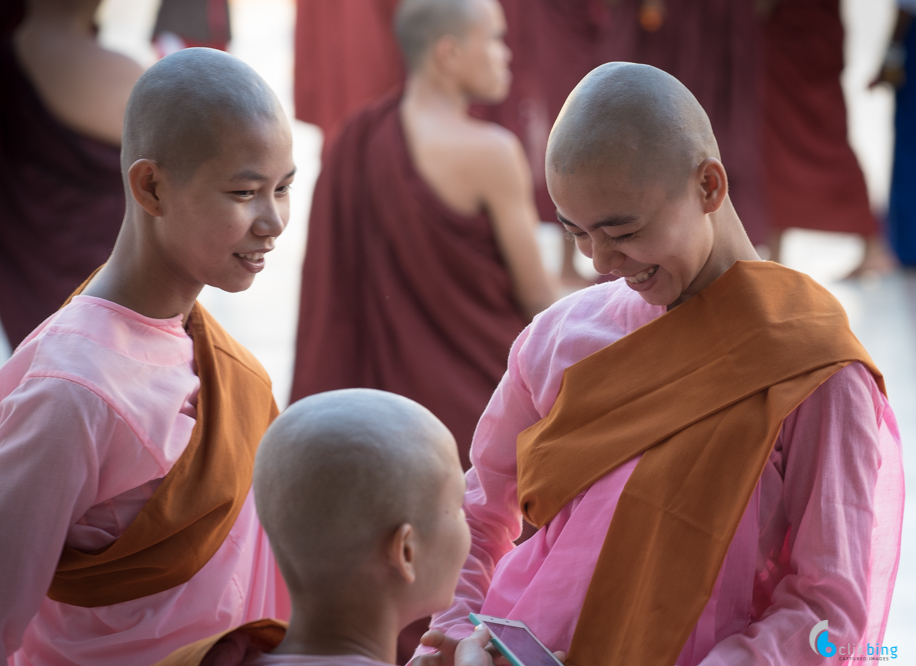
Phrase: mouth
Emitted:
{"points": [[639, 278], [252, 261]]}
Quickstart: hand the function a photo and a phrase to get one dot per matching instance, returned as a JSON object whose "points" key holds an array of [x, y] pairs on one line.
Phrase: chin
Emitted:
{"points": [[232, 286]]}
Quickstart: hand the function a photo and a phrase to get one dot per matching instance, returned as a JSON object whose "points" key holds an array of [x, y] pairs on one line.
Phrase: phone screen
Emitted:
{"points": [[522, 644]]}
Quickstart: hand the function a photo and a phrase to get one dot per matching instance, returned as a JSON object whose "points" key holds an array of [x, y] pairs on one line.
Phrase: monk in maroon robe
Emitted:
{"points": [[421, 265], [812, 177], [61, 195]]}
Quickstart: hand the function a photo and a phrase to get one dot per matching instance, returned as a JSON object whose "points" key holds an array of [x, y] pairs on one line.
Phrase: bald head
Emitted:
{"points": [[633, 118], [181, 106], [419, 24], [339, 472]]}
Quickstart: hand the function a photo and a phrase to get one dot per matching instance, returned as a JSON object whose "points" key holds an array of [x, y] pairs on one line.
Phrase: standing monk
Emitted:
{"points": [[422, 265], [61, 196], [812, 178], [703, 443], [129, 420]]}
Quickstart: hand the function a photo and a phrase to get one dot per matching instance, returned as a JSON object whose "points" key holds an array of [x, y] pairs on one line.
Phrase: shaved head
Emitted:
{"points": [[634, 118], [183, 104], [419, 24], [339, 472]]}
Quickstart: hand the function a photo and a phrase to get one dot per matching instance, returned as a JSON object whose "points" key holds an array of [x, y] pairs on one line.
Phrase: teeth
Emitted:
{"points": [[641, 277], [256, 256]]}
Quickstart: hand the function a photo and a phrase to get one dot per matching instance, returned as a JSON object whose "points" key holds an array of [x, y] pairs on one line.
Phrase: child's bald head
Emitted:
{"points": [[338, 474], [182, 105], [633, 119]]}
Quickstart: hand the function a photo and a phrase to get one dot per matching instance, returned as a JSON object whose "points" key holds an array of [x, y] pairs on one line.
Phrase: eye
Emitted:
{"points": [[243, 193], [625, 237], [572, 236], [283, 189]]}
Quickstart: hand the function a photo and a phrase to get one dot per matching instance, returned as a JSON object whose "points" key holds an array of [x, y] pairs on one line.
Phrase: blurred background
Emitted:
{"points": [[880, 300]]}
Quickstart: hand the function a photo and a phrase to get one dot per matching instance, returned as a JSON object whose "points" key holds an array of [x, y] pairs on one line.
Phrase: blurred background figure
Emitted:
{"points": [[61, 198], [181, 24], [713, 48], [345, 57], [899, 71], [812, 177]]}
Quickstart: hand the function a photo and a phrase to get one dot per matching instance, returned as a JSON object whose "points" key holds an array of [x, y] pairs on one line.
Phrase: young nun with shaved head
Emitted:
{"points": [[360, 492], [129, 420], [705, 446], [422, 265]]}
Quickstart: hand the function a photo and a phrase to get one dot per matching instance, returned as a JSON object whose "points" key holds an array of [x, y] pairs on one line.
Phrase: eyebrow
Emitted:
{"points": [[254, 175], [612, 221]]}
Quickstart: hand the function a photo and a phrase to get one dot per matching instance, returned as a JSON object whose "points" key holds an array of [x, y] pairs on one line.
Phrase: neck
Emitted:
{"points": [[362, 625], [430, 91], [137, 277], [731, 245]]}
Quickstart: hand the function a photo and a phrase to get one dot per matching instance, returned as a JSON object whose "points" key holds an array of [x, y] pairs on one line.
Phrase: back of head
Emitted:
{"points": [[419, 24], [632, 117], [336, 475], [180, 106]]}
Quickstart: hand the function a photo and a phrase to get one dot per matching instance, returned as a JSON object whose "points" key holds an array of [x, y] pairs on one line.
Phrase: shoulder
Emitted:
{"points": [[497, 147], [232, 350], [585, 321]]}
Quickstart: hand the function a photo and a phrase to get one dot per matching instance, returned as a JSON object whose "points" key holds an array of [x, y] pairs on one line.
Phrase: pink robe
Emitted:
{"points": [[820, 539], [95, 408]]}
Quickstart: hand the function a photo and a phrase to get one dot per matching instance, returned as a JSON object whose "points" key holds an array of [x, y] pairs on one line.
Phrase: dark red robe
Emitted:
{"points": [[714, 48], [61, 204], [813, 179], [399, 292], [346, 56]]}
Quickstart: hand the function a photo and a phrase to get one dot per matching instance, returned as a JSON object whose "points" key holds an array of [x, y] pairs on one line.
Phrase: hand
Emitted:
{"points": [[472, 651], [439, 641]]}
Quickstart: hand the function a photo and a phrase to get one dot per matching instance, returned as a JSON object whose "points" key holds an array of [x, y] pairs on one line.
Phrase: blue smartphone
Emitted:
{"points": [[515, 641]]}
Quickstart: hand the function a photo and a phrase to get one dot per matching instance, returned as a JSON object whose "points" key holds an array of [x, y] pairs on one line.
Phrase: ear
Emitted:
{"points": [[713, 184], [446, 53], [402, 552], [145, 179]]}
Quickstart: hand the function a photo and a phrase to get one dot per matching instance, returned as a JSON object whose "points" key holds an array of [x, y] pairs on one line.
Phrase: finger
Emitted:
{"points": [[480, 637], [559, 654], [432, 638]]}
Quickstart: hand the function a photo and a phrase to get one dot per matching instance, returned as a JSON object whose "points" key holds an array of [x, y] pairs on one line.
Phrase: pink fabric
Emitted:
{"points": [[262, 659], [820, 538], [95, 408]]}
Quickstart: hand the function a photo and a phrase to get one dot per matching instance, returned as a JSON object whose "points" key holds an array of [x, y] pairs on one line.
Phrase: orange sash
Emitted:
{"points": [[189, 516], [262, 634], [701, 392]]}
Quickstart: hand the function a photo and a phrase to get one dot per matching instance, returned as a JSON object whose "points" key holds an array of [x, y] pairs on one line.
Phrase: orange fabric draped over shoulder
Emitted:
{"points": [[263, 634], [701, 392], [189, 516]]}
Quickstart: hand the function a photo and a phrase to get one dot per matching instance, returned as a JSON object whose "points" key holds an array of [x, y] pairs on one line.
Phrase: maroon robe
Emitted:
{"points": [[61, 204], [812, 177], [346, 56], [714, 48], [399, 292]]}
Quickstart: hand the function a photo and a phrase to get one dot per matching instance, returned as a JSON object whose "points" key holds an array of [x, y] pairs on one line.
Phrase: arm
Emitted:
{"points": [[831, 466], [491, 500], [49, 454], [893, 68], [509, 199]]}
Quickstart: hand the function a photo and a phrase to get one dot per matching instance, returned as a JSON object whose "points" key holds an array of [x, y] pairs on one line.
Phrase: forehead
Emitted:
{"points": [[487, 16], [254, 142], [587, 194]]}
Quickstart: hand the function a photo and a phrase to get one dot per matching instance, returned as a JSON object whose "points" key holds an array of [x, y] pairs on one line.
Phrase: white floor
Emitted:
{"points": [[882, 311]]}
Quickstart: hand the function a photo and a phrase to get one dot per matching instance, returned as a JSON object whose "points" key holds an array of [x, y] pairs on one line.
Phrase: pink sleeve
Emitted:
{"points": [[491, 500], [53, 439], [843, 498]]}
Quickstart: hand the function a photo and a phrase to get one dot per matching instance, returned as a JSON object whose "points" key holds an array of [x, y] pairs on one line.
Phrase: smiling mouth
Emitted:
{"points": [[639, 278], [254, 256]]}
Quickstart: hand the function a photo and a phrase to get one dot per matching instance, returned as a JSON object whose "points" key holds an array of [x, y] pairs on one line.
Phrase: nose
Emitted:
{"points": [[272, 218], [606, 259]]}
